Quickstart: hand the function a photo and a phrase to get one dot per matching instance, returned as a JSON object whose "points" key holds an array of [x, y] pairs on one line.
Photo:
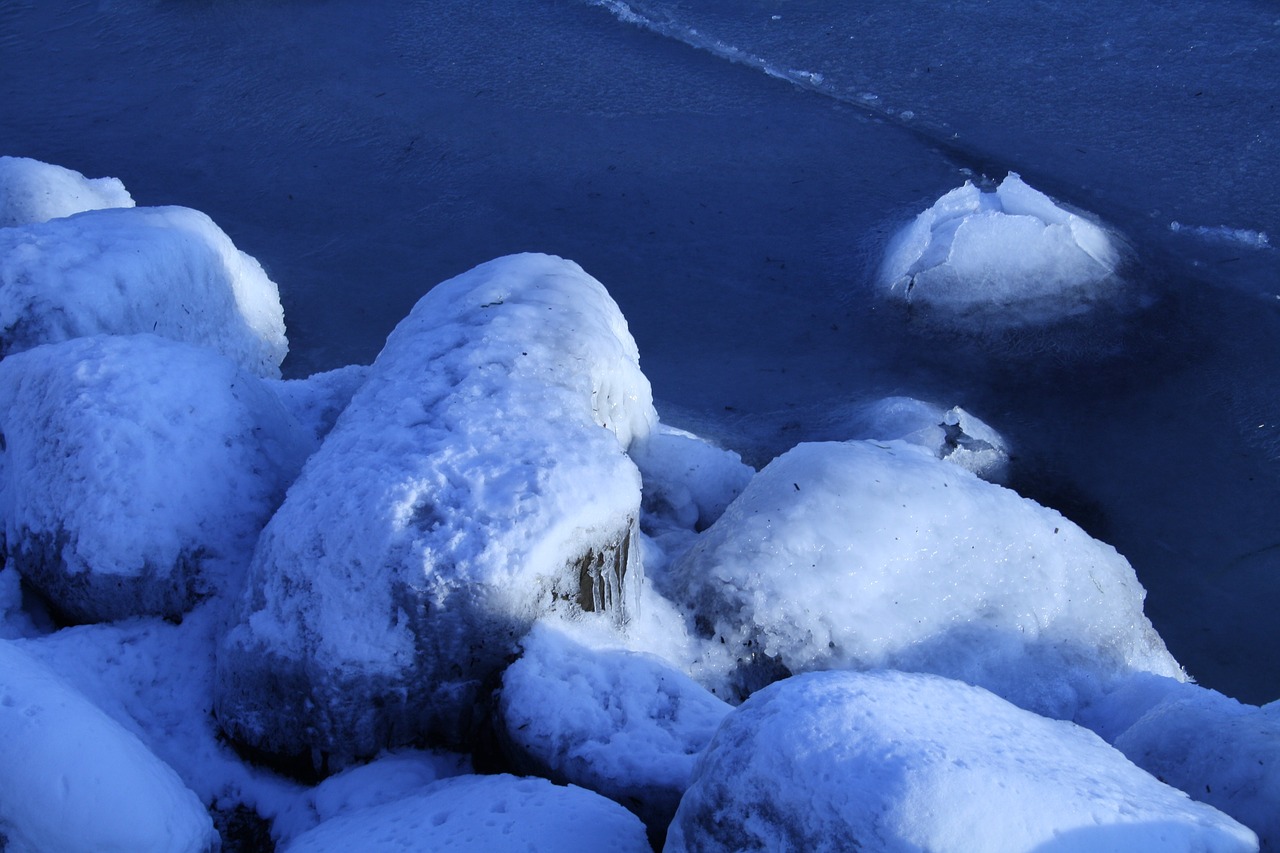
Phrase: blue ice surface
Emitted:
{"points": [[731, 172]]}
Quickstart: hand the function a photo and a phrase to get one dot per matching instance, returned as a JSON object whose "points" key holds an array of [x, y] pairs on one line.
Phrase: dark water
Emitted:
{"points": [[366, 151]]}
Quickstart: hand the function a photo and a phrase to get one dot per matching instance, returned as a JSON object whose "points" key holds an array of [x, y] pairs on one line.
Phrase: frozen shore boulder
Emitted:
{"points": [[75, 781], [892, 761], [32, 191], [477, 480], [1002, 259], [136, 472], [483, 814], [865, 554], [621, 723], [164, 270]]}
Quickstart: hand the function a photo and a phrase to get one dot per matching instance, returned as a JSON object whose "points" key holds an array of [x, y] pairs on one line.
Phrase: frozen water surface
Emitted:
{"points": [[364, 152]]}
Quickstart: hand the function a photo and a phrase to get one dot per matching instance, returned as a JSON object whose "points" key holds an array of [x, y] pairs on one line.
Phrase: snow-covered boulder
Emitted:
{"points": [[164, 270], [688, 481], [1218, 750], [31, 191], [864, 555], [1001, 259], [73, 779], [483, 814], [319, 399], [891, 761], [621, 723], [136, 472], [477, 480], [951, 434]]}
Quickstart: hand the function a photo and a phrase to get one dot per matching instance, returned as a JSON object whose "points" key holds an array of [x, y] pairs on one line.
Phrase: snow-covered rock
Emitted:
{"points": [[483, 814], [136, 472], [951, 434], [1218, 750], [621, 723], [864, 555], [164, 270], [31, 191], [1001, 259], [319, 399], [894, 761], [687, 480], [477, 480], [74, 780]]}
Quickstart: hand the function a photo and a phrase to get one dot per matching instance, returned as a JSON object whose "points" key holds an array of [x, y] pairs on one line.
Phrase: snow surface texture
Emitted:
{"points": [[74, 780], [621, 723], [1001, 259], [483, 814], [865, 555], [477, 480], [136, 472], [167, 270], [903, 762], [31, 191]]}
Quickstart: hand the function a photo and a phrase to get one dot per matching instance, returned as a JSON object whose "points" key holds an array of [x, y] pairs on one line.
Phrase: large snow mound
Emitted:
{"points": [[864, 554], [904, 762], [621, 723], [166, 270], [74, 780], [483, 814], [31, 191], [1006, 258], [136, 472], [477, 480]]}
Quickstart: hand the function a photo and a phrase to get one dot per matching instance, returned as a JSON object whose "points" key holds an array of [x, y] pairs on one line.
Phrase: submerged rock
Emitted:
{"points": [[477, 480], [136, 472]]}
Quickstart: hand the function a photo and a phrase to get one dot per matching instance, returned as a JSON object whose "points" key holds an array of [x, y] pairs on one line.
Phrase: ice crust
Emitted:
{"points": [[32, 191], [866, 555], [902, 762], [136, 472], [478, 479], [74, 780], [621, 723], [164, 270], [483, 814], [1001, 259]]}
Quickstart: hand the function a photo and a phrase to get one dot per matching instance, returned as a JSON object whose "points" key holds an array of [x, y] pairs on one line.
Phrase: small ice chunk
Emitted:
{"points": [[31, 191], [164, 270], [74, 780], [898, 761], [483, 814], [1001, 259]]}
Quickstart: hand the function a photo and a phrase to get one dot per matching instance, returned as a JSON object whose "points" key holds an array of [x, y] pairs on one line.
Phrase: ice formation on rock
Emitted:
{"points": [[164, 270], [477, 480], [1001, 259], [31, 191]]}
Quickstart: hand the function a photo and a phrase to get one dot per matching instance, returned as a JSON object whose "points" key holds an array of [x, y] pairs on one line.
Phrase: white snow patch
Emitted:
{"points": [[164, 270], [902, 761], [31, 191]]}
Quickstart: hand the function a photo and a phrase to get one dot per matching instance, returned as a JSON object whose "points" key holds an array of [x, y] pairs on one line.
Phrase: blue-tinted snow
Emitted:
{"points": [[363, 152]]}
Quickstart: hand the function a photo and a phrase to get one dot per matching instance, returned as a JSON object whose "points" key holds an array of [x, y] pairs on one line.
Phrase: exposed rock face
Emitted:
{"points": [[136, 473], [478, 479]]}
